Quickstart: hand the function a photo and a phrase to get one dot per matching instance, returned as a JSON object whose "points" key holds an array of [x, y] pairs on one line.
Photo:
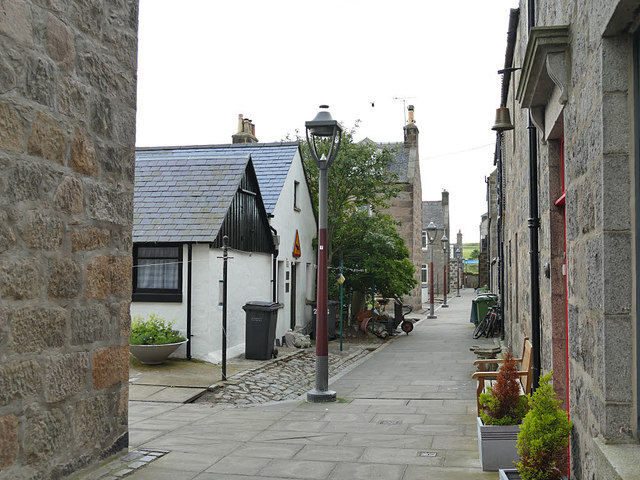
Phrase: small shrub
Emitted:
{"points": [[544, 435], [153, 331], [502, 404]]}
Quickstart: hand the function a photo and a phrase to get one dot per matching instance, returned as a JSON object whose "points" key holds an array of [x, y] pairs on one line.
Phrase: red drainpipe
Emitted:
{"points": [[561, 203]]}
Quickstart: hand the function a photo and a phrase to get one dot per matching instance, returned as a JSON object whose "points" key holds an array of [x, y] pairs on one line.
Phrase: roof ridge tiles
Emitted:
{"points": [[219, 146]]}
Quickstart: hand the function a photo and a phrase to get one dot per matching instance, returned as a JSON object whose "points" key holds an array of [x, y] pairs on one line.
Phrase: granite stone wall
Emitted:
{"points": [[596, 124], [67, 131]]}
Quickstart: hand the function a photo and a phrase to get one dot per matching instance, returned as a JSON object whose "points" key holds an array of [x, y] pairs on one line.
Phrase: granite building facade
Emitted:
{"points": [[571, 83], [67, 132]]}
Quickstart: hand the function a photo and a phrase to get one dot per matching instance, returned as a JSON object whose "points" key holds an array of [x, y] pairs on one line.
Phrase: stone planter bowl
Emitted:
{"points": [[154, 354]]}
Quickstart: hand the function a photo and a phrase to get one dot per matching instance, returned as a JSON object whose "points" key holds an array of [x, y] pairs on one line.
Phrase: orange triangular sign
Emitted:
{"points": [[296, 246]]}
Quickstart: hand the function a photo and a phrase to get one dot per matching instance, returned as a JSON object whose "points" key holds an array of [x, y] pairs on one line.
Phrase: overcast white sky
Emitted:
{"points": [[202, 62]]}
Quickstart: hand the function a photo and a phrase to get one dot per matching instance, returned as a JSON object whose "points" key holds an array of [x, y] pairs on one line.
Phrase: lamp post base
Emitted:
{"points": [[444, 305], [432, 316], [315, 396]]}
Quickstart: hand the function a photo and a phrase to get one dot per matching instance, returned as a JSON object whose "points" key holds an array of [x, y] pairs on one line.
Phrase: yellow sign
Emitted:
{"points": [[296, 246]]}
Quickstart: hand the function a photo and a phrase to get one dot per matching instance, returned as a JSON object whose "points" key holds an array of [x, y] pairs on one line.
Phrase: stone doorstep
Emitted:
{"points": [[122, 465]]}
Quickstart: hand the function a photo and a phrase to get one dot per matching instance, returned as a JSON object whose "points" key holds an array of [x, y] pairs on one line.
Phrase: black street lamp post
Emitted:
{"points": [[322, 128], [445, 250], [431, 237]]}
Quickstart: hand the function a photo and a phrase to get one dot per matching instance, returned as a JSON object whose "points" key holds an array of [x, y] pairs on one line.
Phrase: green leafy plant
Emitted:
{"points": [[153, 331], [502, 404], [544, 435]]}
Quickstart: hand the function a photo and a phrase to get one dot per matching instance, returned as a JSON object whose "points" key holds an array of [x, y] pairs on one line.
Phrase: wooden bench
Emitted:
{"points": [[524, 371]]}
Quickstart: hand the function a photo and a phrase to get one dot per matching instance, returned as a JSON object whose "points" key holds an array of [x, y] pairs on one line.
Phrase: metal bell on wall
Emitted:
{"points": [[503, 120]]}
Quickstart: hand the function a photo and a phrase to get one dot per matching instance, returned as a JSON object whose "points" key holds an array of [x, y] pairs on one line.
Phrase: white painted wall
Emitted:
{"points": [[250, 277], [286, 220], [249, 280], [169, 311]]}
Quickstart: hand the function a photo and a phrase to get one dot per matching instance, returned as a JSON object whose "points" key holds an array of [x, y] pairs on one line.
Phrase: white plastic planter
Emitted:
{"points": [[497, 446]]}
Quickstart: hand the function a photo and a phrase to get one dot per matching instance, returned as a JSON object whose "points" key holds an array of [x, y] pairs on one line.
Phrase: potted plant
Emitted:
{"points": [[152, 340], [543, 438], [503, 409]]}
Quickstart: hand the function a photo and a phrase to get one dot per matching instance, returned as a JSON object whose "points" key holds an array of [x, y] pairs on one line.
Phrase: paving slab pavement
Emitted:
{"points": [[405, 412]]}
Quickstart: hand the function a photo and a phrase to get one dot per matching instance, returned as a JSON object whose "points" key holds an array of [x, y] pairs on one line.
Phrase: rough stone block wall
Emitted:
{"points": [[599, 184], [402, 209], [67, 131]]}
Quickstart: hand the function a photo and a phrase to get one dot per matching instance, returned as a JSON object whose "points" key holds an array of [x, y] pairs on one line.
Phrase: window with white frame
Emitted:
{"points": [[425, 273]]}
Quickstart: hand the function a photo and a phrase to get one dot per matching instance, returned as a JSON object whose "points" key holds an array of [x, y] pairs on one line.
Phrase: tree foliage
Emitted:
{"points": [[544, 435], [371, 249], [502, 404], [358, 233]]}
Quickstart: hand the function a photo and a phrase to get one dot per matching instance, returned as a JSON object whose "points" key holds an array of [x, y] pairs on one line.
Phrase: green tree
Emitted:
{"points": [[475, 254], [369, 245], [358, 233], [358, 178]]}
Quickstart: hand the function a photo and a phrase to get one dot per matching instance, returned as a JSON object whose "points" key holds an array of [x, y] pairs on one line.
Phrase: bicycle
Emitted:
{"points": [[489, 326]]}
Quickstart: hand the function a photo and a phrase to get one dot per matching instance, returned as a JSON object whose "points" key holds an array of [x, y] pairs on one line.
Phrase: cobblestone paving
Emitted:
{"points": [[283, 379]]}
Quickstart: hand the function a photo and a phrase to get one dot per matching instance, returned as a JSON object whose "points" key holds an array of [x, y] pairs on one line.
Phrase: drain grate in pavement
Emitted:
{"points": [[427, 454], [389, 422], [122, 466]]}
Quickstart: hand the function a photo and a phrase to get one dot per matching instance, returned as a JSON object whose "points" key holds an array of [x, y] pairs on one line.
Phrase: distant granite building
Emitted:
{"points": [[407, 206], [437, 212]]}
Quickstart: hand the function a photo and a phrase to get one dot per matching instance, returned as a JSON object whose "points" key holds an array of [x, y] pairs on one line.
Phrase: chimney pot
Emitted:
{"points": [[246, 131]]}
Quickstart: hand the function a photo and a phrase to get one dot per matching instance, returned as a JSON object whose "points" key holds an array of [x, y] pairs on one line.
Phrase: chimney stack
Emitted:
{"points": [[410, 132], [246, 131]]}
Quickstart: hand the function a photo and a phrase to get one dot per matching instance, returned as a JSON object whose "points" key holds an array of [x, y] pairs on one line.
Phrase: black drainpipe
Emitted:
{"points": [[189, 264], [514, 16], [488, 182], [275, 264], [534, 225]]}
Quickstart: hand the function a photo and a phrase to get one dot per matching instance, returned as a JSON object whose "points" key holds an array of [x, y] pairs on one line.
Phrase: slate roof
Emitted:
{"points": [[400, 166], [432, 212], [399, 163], [182, 194]]}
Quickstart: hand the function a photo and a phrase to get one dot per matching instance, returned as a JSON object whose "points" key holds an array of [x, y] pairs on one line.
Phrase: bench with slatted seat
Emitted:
{"points": [[524, 363]]}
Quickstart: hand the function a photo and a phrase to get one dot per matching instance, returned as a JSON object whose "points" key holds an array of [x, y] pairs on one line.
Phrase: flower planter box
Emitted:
{"points": [[511, 474], [497, 446], [154, 354]]}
